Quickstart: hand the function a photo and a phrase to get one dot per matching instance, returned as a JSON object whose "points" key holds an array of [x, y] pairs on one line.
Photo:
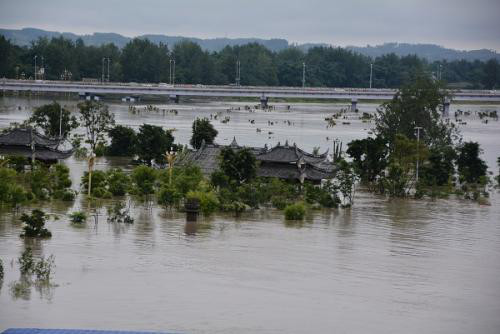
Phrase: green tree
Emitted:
{"points": [[153, 142], [118, 182], [203, 130], [97, 121], [144, 179], [123, 141], [369, 157], [34, 224], [470, 166], [415, 105], [54, 120], [239, 165]]}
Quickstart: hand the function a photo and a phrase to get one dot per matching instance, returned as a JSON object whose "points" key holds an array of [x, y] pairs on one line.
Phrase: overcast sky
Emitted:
{"points": [[460, 24]]}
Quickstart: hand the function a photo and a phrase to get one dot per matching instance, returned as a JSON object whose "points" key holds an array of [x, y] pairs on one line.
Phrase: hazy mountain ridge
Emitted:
{"points": [[432, 52]]}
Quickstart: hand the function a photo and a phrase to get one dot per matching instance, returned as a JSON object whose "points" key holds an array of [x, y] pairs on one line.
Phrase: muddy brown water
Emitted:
{"points": [[385, 266]]}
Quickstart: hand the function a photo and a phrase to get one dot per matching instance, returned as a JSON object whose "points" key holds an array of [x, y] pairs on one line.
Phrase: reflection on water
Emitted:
{"points": [[397, 266]]}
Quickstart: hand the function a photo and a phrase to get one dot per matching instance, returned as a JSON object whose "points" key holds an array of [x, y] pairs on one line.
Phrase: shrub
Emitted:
{"points": [[168, 196], [34, 225], [78, 217], [119, 214], [208, 201], [43, 269], [295, 211], [99, 183], [1, 270], [144, 179], [26, 262], [118, 181]]}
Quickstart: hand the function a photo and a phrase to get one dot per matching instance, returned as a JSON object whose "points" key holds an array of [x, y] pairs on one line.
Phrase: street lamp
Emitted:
{"points": [[238, 73], [303, 74], [418, 128], [371, 74], [102, 70], [35, 65], [172, 71]]}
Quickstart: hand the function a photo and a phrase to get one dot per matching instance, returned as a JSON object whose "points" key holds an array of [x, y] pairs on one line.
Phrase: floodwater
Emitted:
{"points": [[385, 266]]}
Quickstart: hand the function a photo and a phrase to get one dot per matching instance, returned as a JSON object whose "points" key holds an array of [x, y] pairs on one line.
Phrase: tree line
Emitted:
{"points": [[141, 60]]}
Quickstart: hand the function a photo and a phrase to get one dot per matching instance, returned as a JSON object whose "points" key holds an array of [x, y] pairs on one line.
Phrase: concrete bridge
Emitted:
{"points": [[262, 93]]}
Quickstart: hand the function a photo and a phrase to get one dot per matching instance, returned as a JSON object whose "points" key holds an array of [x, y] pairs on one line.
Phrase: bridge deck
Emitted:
{"points": [[227, 91]]}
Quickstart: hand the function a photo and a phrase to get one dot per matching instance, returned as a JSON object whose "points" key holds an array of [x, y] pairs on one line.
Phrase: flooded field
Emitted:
{"points": [[385, 266]]}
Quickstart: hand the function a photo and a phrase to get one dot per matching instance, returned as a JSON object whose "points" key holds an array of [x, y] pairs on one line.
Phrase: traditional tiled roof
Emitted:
{"points": [[284, 162], [287, 153], [25, 141]]}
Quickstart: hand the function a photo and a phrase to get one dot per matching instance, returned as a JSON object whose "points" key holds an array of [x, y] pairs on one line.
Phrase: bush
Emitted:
{"points": [[26, 262], [34, 225], [119, 214], [168, 196], [144, 179], [123, 141], [43, 269], [78, 217], [118, 182], [99, 183], [1, 270], [208, 201], [295, 211]]}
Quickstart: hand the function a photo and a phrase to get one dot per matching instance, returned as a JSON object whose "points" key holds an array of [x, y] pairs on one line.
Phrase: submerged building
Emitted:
{"points": [[28, 143], [281, 161]]}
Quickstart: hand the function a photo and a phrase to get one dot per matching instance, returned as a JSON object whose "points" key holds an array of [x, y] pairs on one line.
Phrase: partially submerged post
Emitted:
{"points": [[192, 207]]}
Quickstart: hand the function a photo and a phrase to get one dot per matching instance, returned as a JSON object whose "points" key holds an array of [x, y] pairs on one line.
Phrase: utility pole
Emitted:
{"points": [[42, 70], [102, 70], [172, 72], [418, 128], [238, 72], [35, 65], [109, 59], [303, 74], [371, 74]]}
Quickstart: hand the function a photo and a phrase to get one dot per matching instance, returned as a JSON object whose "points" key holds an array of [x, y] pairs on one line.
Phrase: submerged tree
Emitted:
{"points": [[415, 105], [54, 120], [152, 143], [35, 225], [97, 120], [123, 141], [203, 130], [240, 166], [471, 168]]}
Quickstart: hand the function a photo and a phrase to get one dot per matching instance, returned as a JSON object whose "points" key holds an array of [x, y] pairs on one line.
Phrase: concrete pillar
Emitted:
{"points": [[263, 102], [446, 107], [174, 98], [354, 104]]}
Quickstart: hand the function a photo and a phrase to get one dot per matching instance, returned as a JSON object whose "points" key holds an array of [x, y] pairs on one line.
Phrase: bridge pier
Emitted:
{"points": [[446, 107], [354, 105], [174, 98], [264, 102]]}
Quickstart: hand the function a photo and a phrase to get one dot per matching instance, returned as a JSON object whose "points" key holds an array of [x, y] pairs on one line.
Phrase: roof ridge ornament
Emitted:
{"points": [[234, 143]]}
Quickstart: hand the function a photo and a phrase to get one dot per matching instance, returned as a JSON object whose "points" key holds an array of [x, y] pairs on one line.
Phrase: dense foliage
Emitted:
{"points": [[153, 142], [123, 141], [415, 151], [203, 130], [34, 225], [53, 120], [141, 60]]}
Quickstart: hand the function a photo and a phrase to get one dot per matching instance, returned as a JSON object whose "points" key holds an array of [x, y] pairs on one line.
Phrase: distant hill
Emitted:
{"points": [[25, 36], [432, 52]]}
